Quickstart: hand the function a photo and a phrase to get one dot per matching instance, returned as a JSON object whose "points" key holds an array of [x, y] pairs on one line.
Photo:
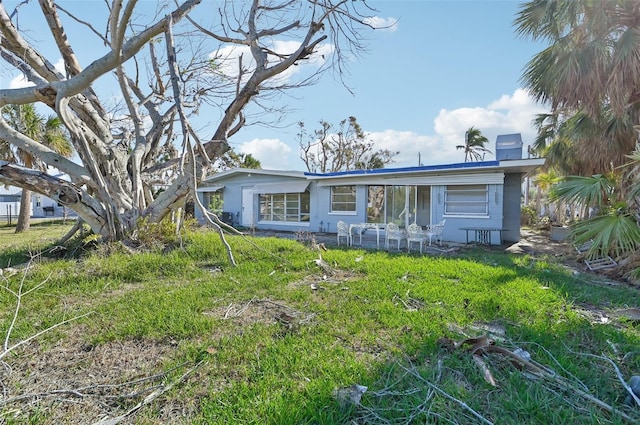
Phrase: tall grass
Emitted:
{"points": [[276, 336]]}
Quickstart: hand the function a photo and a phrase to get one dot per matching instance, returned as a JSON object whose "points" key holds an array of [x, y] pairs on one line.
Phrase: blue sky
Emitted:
{"points": [[442, 67]]}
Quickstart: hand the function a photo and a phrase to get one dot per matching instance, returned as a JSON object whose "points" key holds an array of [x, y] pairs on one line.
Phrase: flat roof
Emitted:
{"points": [[513, 166], [234, 171], [505, 166]]}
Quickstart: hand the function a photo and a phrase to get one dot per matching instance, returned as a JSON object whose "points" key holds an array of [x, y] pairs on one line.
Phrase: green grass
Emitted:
{"points": [[270, 349], [18, 248]]}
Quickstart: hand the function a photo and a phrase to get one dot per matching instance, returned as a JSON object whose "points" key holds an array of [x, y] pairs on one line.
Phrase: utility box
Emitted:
{"points": [[509, 146]]}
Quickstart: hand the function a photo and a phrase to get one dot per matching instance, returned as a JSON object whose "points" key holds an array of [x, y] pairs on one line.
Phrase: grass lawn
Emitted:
{"points": [[183, 337]]}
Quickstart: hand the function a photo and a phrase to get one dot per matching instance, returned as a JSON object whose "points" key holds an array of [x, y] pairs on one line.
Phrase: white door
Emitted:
{"points": [[247, 207]]}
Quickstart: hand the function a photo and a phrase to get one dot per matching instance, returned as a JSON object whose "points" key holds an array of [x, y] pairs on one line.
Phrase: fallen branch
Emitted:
{"points": [[627, 388], [90, 390], [149, 399], [77, 227], [19, 295], [32, 337], [483, 345], [448, 396]]}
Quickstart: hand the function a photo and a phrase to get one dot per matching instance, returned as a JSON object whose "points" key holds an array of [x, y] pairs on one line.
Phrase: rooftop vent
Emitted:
{"points": [[509, 146]]}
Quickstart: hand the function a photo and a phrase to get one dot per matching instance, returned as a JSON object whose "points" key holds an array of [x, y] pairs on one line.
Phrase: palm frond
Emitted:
{"points": [[595, 191], [615, 234]]}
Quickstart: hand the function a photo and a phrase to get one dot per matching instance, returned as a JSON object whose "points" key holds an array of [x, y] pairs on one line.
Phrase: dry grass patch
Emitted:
{"points": [[74, 382]]}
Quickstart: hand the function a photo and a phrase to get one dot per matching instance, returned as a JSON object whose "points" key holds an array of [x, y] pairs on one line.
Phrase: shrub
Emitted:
{"points": [[528, 216]]}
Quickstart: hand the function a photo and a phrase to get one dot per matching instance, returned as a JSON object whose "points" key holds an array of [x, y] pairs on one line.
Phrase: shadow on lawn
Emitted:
{"points": [[39, 240]]}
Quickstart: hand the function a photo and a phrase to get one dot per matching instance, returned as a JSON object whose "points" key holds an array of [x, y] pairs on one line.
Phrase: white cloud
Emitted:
{"points": [[410, 145], [509, 114], [227, 60], [20, 81], [382, 24], [272, 153]]}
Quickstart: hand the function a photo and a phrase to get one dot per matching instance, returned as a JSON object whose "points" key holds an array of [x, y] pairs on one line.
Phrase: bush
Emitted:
{"points": [[156, 235], [528, 216]]}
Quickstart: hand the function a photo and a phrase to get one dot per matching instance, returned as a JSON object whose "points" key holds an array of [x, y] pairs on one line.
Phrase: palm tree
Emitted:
{"points": [[590, 75], [612, 225], [593, 54], [474, 142], [582, 144], [544, 182], [49, 131]]}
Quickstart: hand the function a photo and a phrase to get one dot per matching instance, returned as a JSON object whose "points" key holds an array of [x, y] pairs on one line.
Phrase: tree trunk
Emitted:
{"points": [[122, 162], [24, 216], [61, 191]]}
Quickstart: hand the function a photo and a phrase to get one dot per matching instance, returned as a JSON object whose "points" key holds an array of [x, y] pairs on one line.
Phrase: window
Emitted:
{"points": [[375, 205], [343, 199], [285, 207], [466, 200]]}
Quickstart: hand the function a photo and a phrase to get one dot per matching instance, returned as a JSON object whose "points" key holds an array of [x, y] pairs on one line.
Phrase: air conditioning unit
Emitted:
{"points": [[227, 217]]}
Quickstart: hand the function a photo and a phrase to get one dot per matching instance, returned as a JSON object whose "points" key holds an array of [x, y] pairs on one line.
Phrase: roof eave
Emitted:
{"points": [[517, 165]]}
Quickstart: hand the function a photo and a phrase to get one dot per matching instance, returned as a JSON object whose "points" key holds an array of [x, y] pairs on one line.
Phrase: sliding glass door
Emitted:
{"points": [[398, 204]]}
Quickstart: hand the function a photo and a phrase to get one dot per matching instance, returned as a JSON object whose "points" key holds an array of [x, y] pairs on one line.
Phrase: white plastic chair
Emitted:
{"points": [[415, 235], [435, 231], [393, 233], [343, 232]]}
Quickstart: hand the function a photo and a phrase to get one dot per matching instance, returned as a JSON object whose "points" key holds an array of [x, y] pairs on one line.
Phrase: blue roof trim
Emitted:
{"points": [[407, 169]]}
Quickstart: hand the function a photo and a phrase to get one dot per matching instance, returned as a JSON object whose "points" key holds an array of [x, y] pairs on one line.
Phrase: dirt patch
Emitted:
{"points": [[536, 242], [78, 383], [262, 311]]}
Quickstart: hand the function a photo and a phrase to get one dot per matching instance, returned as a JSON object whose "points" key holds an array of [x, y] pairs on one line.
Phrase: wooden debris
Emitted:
{"points": [[482, 345], [594, 264]]}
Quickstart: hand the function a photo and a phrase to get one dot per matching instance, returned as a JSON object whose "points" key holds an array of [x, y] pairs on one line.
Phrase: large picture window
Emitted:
{"points": [[467, 200], [343, 199], [285, 207]]}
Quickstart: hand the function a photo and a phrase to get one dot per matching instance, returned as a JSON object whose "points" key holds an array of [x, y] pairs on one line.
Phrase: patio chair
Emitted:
{"points": [[435, 231], [415, 235], [343, 232], [393, 233]]}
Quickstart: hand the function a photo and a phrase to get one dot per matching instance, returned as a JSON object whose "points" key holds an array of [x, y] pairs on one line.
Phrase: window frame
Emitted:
{"points": [[477, 195], [280, 207], [350, 191]]}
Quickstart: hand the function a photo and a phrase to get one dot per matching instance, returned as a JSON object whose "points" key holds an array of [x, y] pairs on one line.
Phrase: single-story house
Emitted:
{"points": [[41, 206], [485, 194], [9, 201]]}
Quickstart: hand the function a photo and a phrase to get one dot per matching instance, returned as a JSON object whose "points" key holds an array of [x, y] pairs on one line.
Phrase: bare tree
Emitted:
{"points": [[341, 148], [165, 74]]}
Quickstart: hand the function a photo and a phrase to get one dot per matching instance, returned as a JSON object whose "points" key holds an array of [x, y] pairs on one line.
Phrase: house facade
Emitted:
{"points": [[41, 206], [9, 201], [472, 194]]}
